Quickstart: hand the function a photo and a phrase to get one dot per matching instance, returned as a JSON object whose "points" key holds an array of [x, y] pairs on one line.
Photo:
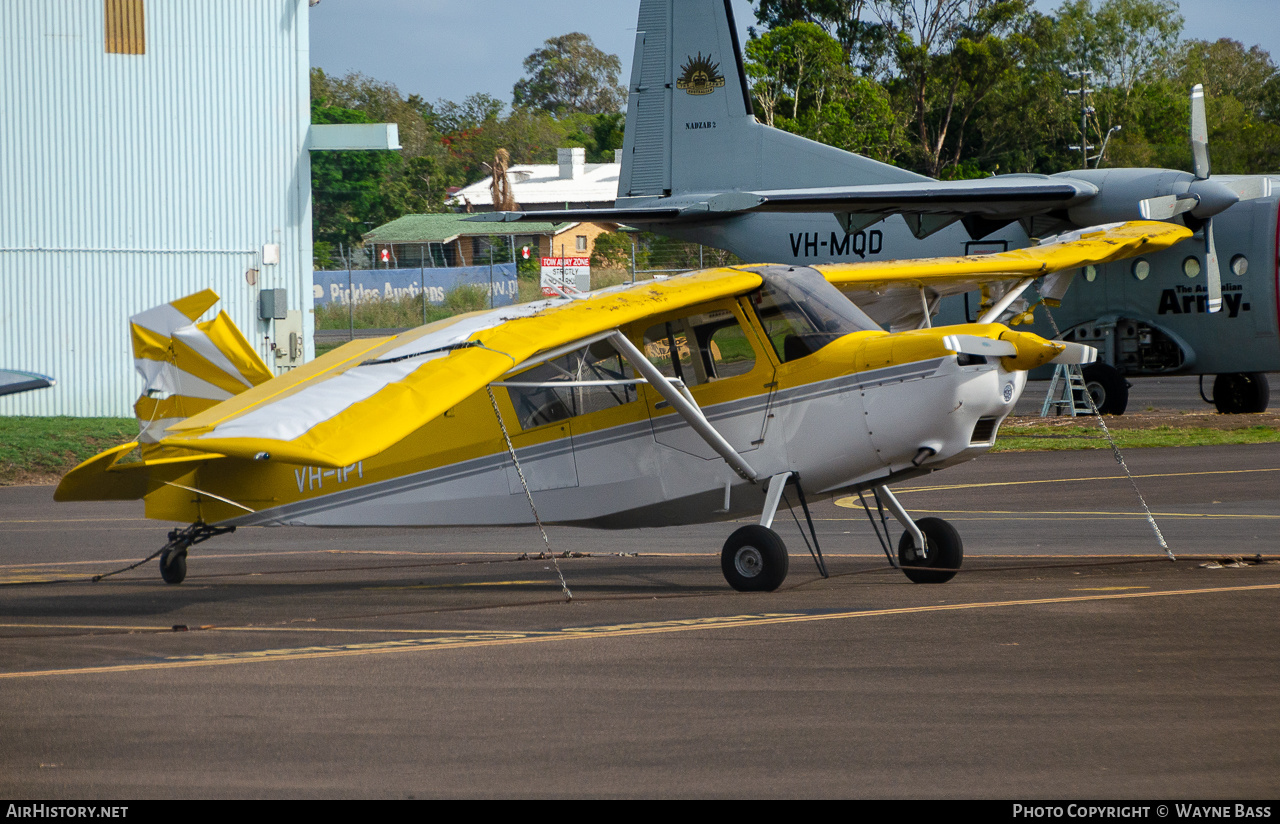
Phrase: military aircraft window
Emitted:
{"points": [[1091, 273], [539, 405], [1141, 269], [700, 348], [801, 312], [1239, 265], [1191, 267]]}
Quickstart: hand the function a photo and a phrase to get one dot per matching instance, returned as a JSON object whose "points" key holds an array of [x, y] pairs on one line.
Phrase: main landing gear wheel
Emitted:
{"points": [[173, 565], [754, 559], [946, 552], [1108, 387], [1241, 393]]}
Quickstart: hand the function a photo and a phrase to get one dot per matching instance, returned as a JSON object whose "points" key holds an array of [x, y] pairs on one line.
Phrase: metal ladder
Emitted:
{"points": [[1070, 397]]}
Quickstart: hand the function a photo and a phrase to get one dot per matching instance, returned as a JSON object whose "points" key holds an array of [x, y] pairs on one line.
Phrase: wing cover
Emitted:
{"points": [[362, 399]]}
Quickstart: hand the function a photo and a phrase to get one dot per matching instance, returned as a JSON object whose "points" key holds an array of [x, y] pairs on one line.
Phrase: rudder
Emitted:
{"points": [[690, 122], [188, 367]]}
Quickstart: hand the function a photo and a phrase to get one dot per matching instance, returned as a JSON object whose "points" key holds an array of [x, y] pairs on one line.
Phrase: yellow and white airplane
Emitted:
{"points": [[692, 399]]}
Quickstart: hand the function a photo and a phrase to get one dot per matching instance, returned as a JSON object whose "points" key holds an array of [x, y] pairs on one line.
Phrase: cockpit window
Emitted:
{"points": [[700, 348], [547, 402], [801, 312]]}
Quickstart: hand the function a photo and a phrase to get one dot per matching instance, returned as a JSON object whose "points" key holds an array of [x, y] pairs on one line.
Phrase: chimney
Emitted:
{"points": [[617, 155], [573, 163]]}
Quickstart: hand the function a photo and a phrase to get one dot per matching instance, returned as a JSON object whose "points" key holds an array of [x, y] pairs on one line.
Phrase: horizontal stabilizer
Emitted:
{"points": [[12, 381]]}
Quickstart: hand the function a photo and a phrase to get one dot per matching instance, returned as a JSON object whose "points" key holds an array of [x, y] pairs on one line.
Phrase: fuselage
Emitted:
{"points": [[862, 409]]}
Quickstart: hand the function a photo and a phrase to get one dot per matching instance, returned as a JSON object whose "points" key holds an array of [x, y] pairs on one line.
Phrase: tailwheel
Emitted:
{"points": [[173, 558], [943, 558], [173, 565], [754, 559]]}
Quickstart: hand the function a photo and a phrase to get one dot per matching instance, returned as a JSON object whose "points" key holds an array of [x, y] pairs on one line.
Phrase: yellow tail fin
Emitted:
{"points": [[188, 367]]}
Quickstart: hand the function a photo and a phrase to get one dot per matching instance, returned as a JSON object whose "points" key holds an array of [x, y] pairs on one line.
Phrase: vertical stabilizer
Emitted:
{"points": [[690, 124], [188, 367]]}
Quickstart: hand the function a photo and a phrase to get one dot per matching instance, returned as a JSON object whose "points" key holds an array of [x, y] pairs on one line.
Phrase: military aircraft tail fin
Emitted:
{"points": [[691, 127], [188, 367]]}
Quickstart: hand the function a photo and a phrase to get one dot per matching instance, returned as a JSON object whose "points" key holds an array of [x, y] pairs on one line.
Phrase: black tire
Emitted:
{"points": [[173, 566], [754, 559], [1241, 393], [1108, 387], [946, 553]]}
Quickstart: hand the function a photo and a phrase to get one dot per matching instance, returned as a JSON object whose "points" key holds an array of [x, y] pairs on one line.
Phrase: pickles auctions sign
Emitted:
{"points": [[570, 275]]}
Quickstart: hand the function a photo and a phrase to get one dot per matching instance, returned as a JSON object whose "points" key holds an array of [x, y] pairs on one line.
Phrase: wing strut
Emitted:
{"points": [[684, 405], [1009, 297]]}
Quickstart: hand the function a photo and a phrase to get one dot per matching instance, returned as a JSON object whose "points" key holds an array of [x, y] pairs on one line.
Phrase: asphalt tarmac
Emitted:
{"points": [[1069, 659]]}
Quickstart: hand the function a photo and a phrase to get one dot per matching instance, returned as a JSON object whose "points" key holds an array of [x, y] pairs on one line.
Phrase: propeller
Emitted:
{"points": [[1194, 199], [1211, 197]]}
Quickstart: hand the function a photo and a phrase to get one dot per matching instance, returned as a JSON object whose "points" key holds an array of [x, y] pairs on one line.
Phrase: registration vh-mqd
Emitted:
{"points": [[701, 397]]}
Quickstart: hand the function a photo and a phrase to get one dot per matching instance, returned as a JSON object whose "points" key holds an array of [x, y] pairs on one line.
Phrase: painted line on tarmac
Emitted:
{"points": [[473, 640], [948, 487], [1088, 514], [76, 521]]}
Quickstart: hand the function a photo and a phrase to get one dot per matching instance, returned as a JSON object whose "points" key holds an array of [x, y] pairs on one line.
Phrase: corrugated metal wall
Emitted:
{"points": [[128, 180]]}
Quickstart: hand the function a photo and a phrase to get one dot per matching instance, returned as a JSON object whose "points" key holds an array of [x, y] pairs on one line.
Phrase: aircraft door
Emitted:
{"points": [[716, 355], [543, 435]]}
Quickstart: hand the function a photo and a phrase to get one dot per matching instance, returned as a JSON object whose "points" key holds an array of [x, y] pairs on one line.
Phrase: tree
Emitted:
{"points": [[865, 44], [801, 84], [1128, 46], [950, 55], [346, 187], [1122, 41], [1225, 68], [381, 103], [569, 74]]}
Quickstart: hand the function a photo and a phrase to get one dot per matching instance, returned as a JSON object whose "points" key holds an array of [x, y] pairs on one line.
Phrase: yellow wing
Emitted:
{"points": [[896, 293], [362, 399], [1101, 244]]}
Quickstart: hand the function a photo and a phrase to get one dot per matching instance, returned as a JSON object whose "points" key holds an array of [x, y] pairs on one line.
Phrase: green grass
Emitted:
{"points": [[1039, 438], [45, 447]]}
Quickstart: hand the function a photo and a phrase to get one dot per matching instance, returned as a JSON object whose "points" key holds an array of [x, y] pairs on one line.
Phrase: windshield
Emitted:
{"points": [[801, 312]]}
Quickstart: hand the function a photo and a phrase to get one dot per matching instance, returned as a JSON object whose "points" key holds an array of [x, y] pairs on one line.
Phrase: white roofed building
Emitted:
{"points": [[570, 184]]}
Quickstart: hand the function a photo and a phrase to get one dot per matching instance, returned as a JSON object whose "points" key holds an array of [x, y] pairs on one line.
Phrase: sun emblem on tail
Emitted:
{"points": [[701, 76]]}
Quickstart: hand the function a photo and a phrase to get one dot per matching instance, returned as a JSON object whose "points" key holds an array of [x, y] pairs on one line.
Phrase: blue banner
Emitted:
{"points": [[364, 285]]}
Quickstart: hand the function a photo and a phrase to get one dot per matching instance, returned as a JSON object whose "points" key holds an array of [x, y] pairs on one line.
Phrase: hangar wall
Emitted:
{"points": [[131, 179]]}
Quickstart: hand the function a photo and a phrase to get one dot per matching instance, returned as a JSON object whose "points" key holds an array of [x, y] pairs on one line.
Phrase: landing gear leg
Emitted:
{"points": [[173, 558], [754, 559], [930, 551]]}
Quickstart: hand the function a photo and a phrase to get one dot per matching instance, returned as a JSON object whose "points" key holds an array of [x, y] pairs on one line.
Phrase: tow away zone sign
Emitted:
{"points": [[572, 275]]}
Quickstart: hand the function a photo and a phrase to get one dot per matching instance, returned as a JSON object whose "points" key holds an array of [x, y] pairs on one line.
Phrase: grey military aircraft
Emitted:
{"points": [[698, 166]]}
